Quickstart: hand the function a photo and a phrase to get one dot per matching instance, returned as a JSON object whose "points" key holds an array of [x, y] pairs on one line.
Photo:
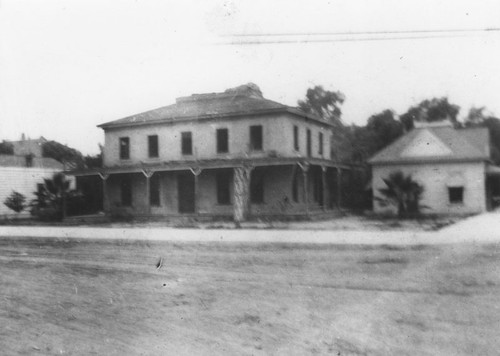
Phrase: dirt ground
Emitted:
{"points": [[70, 297]]}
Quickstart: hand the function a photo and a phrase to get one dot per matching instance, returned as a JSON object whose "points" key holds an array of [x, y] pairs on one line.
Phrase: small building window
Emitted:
{"points": [[296, 138], [153, 146], [456, 195], [223, 181], [257, 187], [126, 191], [154, 190], [308, 140], [256, 138], [320, 143], [124, 148], [222, 141], [187, 143]]}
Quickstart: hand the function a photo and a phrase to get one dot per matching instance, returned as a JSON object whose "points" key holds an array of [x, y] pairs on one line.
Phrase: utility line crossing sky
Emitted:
{"points": [[69, 65]]}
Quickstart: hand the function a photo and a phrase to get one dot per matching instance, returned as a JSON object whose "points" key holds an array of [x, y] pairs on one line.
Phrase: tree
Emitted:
{"points": [[323, 103], [50, 201], [6, 148], [431, 110], [16, 201], [63, 154], [402, 191], [386, 128]]}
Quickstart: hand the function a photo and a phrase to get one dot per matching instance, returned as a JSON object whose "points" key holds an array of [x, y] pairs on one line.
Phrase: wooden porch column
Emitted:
{"points": [[339, 186], [104, 177], [148, 174], [323, 183], [196, 172], [241, 193], [305, 169]]}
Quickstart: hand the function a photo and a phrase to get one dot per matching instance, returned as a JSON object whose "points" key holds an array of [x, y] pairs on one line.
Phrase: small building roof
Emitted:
{"points": [[436, 144], [37, 162], [231, 103]]}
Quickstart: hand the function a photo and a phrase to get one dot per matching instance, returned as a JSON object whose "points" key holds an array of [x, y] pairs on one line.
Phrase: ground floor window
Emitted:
{"points": [[456, 195], [257, 187], [154, 190], [126, 191], [223, 181]]}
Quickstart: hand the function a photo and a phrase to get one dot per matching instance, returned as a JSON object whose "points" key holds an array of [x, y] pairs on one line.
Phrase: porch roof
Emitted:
{"points": [[207, 164]]}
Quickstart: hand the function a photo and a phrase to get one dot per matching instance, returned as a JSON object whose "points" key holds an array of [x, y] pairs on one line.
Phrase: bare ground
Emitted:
{"points": [[71, 297]]}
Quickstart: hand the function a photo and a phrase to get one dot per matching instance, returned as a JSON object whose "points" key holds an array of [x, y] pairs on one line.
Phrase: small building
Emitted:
{"points": [[24, 172], [233, 154], [452, 165]]}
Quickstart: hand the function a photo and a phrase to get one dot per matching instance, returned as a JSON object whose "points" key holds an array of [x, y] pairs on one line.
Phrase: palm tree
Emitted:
{"points": [[53, 195], [403, 192]]}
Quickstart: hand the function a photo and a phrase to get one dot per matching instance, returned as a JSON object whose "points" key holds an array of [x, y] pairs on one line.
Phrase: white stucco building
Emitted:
{"points": [[221, 154], [24, 170], [453, 166]]}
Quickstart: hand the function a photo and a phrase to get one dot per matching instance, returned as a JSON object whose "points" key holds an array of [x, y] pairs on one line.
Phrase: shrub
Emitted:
{"points": [[16, 201]]}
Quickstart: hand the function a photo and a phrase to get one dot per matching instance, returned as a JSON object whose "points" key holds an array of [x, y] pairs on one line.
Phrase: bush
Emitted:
{"points": [[16, 201]]}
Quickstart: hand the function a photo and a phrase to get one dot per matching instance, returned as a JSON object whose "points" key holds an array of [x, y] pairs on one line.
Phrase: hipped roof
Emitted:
{"points": [[207, 106], [464, 144]]}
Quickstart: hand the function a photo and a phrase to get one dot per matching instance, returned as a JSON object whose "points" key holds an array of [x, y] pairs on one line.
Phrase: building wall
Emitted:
{"points": [[22, 180], [434, 178], [277, 139], [277, 194]]}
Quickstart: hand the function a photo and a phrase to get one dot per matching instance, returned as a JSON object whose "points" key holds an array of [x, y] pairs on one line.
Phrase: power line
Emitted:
{"points": [[298, 38]]}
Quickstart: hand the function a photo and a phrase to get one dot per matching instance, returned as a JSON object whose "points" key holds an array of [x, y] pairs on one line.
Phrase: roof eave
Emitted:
{"points": [[288, 110]]}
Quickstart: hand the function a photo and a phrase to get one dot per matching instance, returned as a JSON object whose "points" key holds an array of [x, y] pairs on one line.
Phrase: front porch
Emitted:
{"points": [[240, 192]]}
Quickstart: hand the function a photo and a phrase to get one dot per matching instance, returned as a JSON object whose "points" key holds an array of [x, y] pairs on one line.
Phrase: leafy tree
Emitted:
{"points": [[323, 103], [431, 110], [402, 191], [386, 128], [63, 154], [6, 148], [16, 201]]}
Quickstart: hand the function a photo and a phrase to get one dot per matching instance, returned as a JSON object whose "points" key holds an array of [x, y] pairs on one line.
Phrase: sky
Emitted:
{"points": [[69, 65]]}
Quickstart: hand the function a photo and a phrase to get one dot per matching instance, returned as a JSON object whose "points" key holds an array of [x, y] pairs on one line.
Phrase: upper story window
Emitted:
{"points": [[153, 146], [296, 138], [187, 143], [222, 141], [124, 147], [320, 143], [308, 140], [256, 138]]}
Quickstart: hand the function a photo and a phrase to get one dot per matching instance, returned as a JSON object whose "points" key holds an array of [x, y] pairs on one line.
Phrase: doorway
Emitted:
{"points": [[185, 192]]}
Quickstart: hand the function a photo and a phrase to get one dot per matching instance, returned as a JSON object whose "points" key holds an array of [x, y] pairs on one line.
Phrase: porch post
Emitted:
{"points": [[339, 186], [196, 172], [305, 169], [241, 193], [104, 177], [148, 174], [323, 183]]}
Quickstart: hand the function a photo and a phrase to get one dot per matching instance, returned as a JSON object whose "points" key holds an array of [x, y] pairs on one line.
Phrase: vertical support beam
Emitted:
{"points": [[339, 187], [196, 172], [305, 169], [323, 183], [241, 193], [104, 177], [148, 174]]}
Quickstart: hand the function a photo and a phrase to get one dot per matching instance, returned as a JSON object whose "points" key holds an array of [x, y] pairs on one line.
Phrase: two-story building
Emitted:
{"points": [[223, 154]]}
